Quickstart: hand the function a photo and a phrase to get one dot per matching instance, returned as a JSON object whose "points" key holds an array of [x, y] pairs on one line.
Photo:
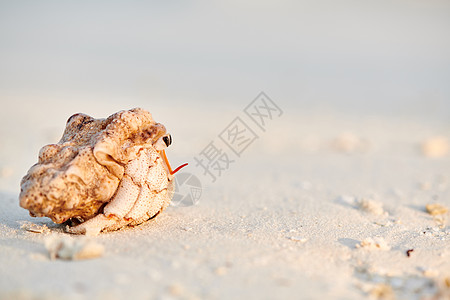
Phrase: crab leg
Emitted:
{"points": [[147, 205], [123, 201], [130, 186], [95, 225], [142, 194], [114, 211]]}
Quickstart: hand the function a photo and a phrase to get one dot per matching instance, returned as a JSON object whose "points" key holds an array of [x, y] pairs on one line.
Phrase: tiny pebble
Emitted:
{"points": [[31, 227], [175, 290], [436, 209], [220, 271], [297, 239]]}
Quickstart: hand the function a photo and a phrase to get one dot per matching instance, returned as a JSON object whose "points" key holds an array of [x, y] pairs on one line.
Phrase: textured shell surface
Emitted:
{"points": [[78, 176]]}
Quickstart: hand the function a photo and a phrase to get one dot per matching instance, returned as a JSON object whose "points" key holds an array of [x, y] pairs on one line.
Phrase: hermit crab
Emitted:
{"points": [[104, 174]]}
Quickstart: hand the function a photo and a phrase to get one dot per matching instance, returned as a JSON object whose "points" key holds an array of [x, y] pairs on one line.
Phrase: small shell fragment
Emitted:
{"points": [[382, 291], [297, 239], [435, 209], [36, 228], [350, 143], [437, 146], [370, 206], [72, 249], [376, 243]]}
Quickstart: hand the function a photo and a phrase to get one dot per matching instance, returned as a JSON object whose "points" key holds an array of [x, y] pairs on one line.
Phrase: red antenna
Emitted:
{"points": [[163, 154]]}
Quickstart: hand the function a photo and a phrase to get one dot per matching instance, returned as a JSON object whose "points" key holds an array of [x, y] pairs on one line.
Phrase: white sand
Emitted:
{"points": [[361, 149], [283, 222]]}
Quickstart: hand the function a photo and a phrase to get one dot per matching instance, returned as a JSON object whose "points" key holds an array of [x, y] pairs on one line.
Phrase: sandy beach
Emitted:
{"points": [[338, 211], [334, 184]]}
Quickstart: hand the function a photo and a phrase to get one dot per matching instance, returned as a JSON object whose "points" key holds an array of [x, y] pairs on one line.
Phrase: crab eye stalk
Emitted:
{"points": [[167, 140], [163, 142]]}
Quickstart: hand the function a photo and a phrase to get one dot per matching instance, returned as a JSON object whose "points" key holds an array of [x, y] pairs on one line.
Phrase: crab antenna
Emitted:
{"points": [[179, 168], [168, 164]]}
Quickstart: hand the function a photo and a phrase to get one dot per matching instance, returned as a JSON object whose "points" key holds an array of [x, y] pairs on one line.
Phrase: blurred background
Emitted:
{"points": [[195, 65]]}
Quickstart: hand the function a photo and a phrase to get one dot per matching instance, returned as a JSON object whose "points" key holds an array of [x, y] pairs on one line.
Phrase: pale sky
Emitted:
{"points": [[344, 54]]}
